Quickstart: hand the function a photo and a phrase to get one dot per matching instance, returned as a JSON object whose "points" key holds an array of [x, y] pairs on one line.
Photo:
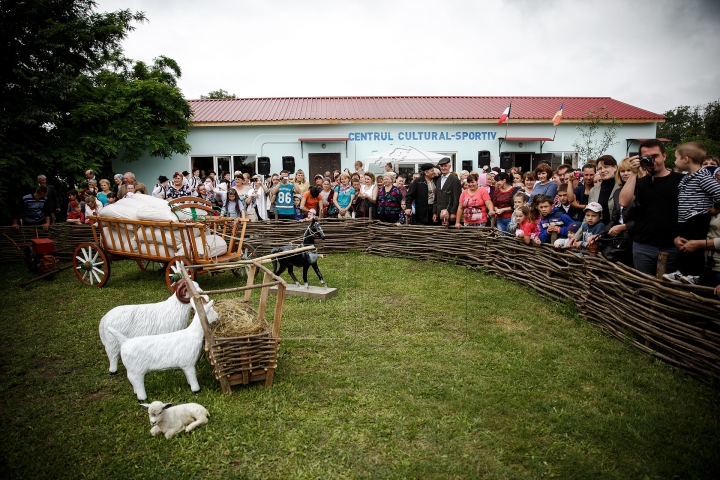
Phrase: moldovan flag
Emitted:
{"points": [[558, 116], [505, 115]]}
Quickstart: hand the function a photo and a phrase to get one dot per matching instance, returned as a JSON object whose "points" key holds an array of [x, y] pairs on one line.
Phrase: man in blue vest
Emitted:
{"points": [[283, 197], [35, 209]]}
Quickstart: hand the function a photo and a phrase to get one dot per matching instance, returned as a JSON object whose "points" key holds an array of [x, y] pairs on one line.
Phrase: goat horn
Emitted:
{"points": [[181, 291]]}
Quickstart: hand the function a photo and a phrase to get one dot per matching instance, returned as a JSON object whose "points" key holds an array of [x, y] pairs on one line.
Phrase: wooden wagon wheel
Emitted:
{"points": [[172, 272], [91, 264], [146, 265], [248, 252]]}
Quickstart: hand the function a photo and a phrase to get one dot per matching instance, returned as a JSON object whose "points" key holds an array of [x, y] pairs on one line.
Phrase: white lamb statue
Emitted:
{"points": [[170, 420], [163, 352], [132, 321]]}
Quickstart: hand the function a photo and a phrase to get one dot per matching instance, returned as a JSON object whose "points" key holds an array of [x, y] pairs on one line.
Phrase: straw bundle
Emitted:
{"points": [[236, 319]]}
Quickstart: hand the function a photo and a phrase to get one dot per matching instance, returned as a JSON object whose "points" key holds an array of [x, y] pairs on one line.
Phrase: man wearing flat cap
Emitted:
{"points": [[423, 192], [448, 193]]}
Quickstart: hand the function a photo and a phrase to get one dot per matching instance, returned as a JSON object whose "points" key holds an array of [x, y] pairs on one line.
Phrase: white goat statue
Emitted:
{"points": [[132, 321], [163, 352], [170, 420]]}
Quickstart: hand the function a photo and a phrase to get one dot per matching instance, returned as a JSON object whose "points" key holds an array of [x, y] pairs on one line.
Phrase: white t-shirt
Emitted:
{"points": [[367, 190]]}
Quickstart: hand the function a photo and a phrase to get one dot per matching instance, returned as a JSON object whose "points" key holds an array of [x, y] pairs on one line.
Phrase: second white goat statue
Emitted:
{"points": [[132, 321], [169, 420], [164, 352]]}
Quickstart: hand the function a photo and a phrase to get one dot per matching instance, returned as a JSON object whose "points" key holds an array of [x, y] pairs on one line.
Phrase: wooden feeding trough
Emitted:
{"points": [[247, 358]]}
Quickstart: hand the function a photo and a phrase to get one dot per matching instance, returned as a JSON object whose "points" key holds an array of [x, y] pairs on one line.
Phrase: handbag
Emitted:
{"points": [[359, 206], [330, 209], [614, 249]]}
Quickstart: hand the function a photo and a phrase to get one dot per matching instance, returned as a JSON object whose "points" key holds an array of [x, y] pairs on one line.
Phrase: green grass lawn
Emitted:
{"points": [[415, 370]]}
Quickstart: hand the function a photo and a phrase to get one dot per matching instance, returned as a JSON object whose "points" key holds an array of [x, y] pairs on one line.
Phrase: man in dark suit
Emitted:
{"points": [[423, 191], [52, 197], [448, 193]]}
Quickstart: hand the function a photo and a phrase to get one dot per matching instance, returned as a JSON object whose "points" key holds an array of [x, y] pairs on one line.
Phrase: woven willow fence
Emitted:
{"points": [[679, 324]]}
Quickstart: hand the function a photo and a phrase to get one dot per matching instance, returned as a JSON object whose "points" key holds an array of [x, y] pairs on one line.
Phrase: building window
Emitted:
{"points": [[560, 158], [224, 164]]}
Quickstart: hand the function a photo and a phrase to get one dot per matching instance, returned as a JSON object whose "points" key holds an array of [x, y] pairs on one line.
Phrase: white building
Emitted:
{"points": [[322, 134]]}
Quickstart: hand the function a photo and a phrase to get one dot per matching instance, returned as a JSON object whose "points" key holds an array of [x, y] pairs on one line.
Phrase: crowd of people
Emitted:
{"points": [[633, 210]]}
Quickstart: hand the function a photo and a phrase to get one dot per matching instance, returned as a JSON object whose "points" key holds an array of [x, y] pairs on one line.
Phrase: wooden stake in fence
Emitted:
{"points": [[661, 265]]}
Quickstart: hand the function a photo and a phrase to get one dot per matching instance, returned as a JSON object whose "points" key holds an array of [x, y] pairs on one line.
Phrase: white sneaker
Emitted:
{"points": [[673, 277], [691, 279]]}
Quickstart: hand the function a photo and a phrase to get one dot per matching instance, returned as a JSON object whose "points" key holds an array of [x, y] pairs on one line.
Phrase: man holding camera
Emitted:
{"points": [[656, 207]]}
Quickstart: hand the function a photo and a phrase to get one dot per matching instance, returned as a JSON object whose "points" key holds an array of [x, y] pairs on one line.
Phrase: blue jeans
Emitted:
{"points": [[502, 224], [645, 257]]}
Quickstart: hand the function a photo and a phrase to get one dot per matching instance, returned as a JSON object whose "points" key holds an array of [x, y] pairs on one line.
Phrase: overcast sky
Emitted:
{"points": [[655, 54]]}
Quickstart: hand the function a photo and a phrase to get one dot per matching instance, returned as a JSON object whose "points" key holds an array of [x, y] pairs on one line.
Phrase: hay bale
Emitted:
{"points": [[236, 319]]}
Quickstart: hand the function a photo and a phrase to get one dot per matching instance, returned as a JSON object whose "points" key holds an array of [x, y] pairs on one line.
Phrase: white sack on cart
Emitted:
{"points": [[120, 209], [215, 244], [166, 235], [117, 238], [158, 250], [156, 213]]}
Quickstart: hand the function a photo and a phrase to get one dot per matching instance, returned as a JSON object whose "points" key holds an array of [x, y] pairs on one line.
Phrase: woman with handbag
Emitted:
{"points": [[368, 196], [617, 238], [327, 194]]}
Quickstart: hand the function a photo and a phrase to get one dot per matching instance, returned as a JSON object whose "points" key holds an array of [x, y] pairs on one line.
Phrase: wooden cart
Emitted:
{"points": [[203, 239]]}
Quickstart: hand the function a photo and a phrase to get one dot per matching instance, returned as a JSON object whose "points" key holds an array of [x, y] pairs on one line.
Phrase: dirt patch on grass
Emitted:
{"points": [[96, 397], [50, 367], [508, 324]]}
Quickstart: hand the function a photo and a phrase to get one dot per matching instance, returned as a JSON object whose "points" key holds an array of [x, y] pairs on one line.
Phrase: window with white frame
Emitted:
{"points": [[560, 158]]}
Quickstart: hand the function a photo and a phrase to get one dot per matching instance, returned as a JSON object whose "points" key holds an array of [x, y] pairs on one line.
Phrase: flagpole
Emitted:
{"points": [[555, 133], [507, 120]]}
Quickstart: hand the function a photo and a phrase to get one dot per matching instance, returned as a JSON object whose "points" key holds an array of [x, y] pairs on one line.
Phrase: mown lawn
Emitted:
{"points": [[415, 370]]}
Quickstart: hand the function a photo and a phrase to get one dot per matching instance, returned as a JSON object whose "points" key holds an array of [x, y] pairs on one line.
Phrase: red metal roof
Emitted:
{"points": [[359, 109]]}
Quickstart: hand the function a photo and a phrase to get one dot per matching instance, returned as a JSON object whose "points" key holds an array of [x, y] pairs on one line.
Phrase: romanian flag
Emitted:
{"points": [[505, 115], [558, 116]]}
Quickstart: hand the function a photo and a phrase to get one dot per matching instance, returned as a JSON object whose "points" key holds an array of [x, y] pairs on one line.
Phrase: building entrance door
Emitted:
{"points": [[319, 163], [541, 157], [524, 161]]}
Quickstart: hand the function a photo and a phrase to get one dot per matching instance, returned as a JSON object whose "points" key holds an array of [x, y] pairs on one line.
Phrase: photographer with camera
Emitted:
{"points": [[656, 207]]}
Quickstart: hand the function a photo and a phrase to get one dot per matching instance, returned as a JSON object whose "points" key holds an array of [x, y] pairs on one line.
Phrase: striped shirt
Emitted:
{"points": [[696, 194]]}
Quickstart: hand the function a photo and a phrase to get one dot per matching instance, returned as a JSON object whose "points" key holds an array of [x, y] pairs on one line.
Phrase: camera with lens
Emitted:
{"points": [[647, 161]]}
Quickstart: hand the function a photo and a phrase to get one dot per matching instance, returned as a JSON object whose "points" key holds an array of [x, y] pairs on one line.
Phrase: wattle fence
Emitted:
{"points": [[679, 324]]}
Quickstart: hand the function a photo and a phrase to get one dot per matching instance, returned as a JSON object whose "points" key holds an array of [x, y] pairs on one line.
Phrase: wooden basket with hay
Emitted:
{"points": [[241, 345]]}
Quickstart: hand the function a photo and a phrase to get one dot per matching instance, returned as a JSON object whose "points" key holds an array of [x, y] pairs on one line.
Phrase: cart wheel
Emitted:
{"points": [[248, 252], [172, 272], [91, 264], [146, 265]]}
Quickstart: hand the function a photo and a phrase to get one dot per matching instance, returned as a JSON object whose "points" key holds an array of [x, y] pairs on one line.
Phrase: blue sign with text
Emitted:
{"points": [[420, 135]]}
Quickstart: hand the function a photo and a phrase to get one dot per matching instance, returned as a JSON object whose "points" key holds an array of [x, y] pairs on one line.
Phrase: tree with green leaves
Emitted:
{"points": [[700, 123], [591, 145], [69, 99], [217, 94]]}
